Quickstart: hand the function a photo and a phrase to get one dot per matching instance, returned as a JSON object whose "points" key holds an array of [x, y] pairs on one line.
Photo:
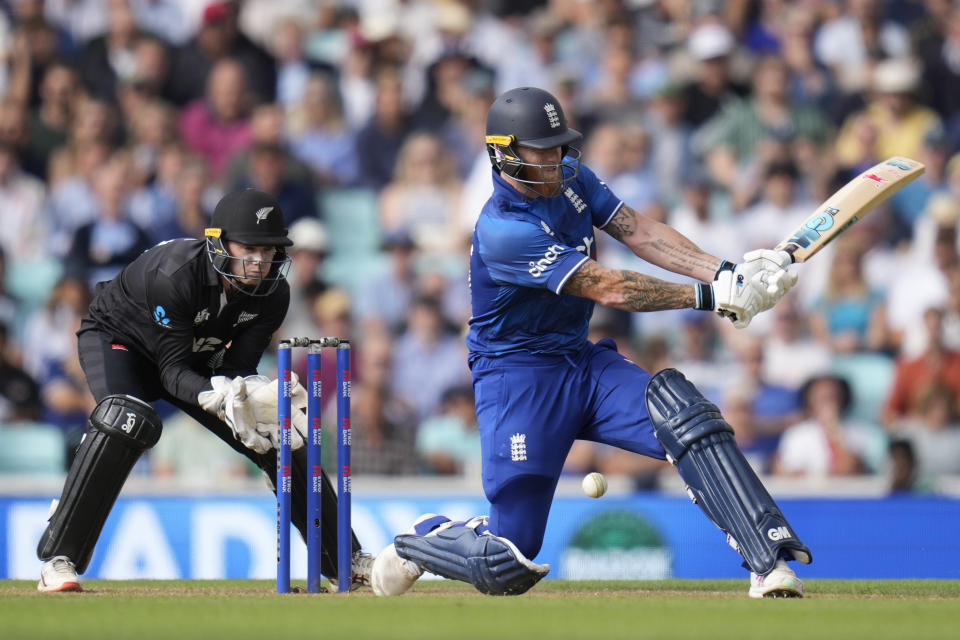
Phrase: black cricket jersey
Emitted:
{"points": [[169, 306]]}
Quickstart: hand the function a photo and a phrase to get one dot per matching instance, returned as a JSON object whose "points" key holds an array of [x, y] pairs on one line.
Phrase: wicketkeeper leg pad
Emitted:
{"points": [[458, 551], [700, 443], [121, 428]]}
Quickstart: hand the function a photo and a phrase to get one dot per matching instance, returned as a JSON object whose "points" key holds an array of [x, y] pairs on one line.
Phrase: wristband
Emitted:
{"points": [[725, 265], [703, 295]]}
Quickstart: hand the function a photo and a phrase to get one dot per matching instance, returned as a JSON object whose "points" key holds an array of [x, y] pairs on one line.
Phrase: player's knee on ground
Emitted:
{"points": [[700, 443], [121, 428]]}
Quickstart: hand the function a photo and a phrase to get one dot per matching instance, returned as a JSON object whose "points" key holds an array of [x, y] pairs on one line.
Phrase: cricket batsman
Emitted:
{"points": [[187, 322], [540, 385]]}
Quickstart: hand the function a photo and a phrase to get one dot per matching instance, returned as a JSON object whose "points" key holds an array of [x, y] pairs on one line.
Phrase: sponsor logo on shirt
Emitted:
{"points": [[587, 244], [160, 316], [202, 316], [537, 268]]}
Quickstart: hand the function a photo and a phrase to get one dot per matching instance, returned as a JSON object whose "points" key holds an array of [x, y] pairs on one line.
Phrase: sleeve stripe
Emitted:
{"points": [[615, 209], [570, 273]]}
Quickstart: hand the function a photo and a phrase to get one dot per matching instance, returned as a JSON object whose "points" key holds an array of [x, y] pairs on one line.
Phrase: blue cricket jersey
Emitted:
{"points": [[524, 250]]}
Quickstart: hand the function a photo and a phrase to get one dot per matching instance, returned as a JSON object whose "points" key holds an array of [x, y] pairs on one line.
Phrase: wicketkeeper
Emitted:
{"points": [[540, 385], [187, 322]]}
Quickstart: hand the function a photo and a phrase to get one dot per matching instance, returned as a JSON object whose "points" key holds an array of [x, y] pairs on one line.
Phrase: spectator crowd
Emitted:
{"points": [[122, 122]]}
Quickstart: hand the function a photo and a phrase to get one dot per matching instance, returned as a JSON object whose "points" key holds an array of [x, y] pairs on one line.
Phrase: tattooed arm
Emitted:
{"points": [[628, 290], [661, 245]]}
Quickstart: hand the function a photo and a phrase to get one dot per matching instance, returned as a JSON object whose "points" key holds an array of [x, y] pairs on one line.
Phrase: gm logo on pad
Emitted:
{"points": [[778, 533]]}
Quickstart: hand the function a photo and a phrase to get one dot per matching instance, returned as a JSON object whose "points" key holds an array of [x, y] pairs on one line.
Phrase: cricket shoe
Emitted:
{"points": [[782, 582], [392, 575], [58, 574], [361, 565]]}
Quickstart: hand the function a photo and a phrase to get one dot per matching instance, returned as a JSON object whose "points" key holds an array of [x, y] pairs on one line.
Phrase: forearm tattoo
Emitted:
{"points": [[661, 245], [623, 225], [628, 290]]}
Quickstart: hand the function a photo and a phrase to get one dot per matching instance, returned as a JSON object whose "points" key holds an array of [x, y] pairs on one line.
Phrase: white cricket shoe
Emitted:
{"points": [[58, 574], [782, 582], [392, 575]]}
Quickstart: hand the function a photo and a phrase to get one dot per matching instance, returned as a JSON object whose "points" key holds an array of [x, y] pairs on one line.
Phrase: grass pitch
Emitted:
{"points": [[709, 609]]}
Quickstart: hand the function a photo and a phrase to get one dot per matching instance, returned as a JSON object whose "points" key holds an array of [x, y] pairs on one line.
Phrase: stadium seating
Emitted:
{"points": [[31, 448]]}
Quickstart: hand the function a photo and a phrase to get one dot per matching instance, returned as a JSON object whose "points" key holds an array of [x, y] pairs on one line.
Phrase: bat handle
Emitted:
{"points": [[790, 248]]}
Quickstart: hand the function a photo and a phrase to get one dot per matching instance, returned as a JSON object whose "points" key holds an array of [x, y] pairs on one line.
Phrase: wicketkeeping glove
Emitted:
{"points": [[243, 404], [263, 404]]}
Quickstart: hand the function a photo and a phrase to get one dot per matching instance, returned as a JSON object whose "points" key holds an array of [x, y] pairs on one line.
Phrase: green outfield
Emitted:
{"points": [[708, 609]]}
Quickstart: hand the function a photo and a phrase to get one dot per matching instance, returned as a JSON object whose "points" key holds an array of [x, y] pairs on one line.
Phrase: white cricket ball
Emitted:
{"points": [[594, 484]]}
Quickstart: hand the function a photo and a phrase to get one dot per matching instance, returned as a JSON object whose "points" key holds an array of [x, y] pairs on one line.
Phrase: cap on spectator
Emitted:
{"points": [[268, 147], [943, 209], [400, 239], [937, 137], [697, 178], [309, 234], [332, 303], [783, 168], [216, 12], [952, 169], [710, 41], [451, 17], [895, 75], [477, 82], [378, 26]]}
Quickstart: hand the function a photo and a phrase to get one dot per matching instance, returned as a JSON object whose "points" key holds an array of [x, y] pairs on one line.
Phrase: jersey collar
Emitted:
{"points": [[504, 193]]}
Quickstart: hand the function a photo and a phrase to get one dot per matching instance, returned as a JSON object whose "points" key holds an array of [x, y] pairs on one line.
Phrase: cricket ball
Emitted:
{"points": [[594, 484]]}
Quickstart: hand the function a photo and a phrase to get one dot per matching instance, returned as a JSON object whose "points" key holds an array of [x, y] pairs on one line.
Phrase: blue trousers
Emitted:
{"points": [[531, 408]]}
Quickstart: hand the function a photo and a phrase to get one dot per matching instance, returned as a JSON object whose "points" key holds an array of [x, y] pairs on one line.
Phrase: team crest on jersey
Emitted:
{"points": [[245, 316], [575, 200], [202, 316]]}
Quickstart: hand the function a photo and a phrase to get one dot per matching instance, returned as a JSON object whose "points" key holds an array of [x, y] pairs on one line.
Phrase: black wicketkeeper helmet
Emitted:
{"points": [[254, 218], [530, 117]]}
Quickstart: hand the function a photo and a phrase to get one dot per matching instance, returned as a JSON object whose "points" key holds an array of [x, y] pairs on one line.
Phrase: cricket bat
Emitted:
{"points": [[852, 202]]}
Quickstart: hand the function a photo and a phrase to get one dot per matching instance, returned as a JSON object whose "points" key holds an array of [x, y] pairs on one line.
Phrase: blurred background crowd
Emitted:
{"points": [[122, 122]]}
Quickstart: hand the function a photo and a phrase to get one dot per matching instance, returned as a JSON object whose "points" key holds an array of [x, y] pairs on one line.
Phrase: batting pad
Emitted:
{"points": [[490, 563], [700, 443]]}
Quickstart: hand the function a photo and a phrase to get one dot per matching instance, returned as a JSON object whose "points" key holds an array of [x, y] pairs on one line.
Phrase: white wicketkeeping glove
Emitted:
{"points": [[263, 405], [737, 298], [228, 401], [771, 268]]}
